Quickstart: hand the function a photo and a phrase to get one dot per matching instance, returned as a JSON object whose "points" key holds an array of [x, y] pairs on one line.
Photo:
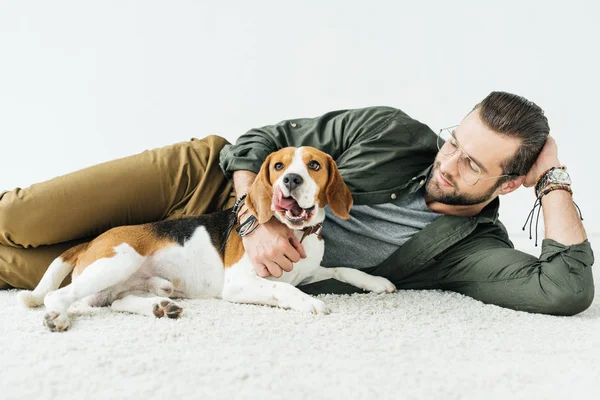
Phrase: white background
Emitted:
{"points": [[84, 82]]}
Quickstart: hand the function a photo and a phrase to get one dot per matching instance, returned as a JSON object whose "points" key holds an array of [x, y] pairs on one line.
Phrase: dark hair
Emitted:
{"points": [[515, 116]]}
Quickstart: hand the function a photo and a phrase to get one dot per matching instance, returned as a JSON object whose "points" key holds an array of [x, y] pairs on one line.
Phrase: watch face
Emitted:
{"points": [[559, 176]]}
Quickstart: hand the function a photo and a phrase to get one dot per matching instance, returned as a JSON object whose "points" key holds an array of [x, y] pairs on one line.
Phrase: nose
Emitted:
{"points": [[292, 181], [449, 164]]}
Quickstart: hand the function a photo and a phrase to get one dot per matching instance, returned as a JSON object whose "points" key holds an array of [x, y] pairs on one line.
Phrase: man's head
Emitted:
{"points": [[499, 139]]}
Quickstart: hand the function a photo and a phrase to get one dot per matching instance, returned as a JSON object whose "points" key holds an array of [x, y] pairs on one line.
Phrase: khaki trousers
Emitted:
{"points": [[38, 223]]}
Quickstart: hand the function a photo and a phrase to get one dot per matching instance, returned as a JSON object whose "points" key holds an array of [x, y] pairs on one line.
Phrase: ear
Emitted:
{"points": [[338, 195], [511, 185], [260, 195]]}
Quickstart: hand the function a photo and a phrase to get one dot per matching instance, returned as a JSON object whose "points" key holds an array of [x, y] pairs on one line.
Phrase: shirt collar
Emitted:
{"points": [[420, 177]]}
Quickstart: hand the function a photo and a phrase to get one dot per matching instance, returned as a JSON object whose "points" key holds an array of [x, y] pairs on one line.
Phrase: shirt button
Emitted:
{"points": [[422, 182], [293, 125], [393, 196]]}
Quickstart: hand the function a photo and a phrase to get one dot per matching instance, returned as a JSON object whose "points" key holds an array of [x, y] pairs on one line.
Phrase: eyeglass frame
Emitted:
{"points": [[464, 154]]}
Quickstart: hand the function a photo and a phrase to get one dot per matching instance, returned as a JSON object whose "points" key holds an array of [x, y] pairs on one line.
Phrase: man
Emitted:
{"points": [[425, 209]]}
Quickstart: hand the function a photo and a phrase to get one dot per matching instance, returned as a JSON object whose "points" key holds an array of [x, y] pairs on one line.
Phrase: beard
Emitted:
{"points": [[454, 198]]}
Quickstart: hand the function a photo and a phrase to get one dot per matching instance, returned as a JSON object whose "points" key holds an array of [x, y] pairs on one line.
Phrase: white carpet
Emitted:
{"points": [[408, 345]]}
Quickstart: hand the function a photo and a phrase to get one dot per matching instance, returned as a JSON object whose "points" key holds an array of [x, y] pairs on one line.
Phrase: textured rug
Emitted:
{"points": [[407, 345]]}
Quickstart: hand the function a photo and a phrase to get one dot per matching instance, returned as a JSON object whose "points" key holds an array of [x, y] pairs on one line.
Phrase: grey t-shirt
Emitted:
{"points": [[373, 232]]}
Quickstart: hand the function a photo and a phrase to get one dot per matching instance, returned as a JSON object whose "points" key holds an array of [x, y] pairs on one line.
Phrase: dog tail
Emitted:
{"points": [[53, 277]]}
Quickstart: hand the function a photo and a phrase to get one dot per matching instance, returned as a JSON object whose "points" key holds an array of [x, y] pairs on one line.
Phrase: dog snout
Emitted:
{"points": [[292, 181]]}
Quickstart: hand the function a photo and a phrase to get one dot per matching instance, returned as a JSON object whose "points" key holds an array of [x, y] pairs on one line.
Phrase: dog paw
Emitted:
{"points": [[27, 299], [318, 307], [379, 284], [56, 321], [167, 308], [308, 304]]}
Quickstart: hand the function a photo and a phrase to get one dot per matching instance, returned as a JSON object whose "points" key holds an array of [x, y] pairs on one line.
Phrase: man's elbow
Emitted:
{"points": [[569, 302]]}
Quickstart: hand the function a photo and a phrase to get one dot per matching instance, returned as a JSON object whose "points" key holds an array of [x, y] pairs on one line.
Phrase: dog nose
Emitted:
{"points": [[292, 181]]}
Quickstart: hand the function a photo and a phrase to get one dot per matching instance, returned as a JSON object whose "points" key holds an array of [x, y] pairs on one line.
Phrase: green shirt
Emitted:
{"points": [[384, 154]]}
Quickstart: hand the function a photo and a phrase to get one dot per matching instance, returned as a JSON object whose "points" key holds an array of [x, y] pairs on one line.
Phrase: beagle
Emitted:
{"points": [[140, 268]]}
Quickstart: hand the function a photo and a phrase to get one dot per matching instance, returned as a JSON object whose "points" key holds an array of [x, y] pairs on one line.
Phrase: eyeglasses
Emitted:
{"points": [[469, 170]]}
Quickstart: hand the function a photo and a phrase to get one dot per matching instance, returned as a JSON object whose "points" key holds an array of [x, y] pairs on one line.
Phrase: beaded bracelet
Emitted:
{"points": [[554, 186], [238, 204]]}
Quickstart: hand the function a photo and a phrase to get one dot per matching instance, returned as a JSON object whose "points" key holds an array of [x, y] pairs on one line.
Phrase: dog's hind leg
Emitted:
{"points": [[53, 277], [56, 273], [152, 306], [99, 275]]}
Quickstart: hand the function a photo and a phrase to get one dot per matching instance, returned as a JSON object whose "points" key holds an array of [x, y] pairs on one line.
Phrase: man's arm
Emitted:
{"points": [[560, 281], [485, 266], [365, 143], [561, 220], [242, 180], [352, 137], [272, 246], [252, 148]]}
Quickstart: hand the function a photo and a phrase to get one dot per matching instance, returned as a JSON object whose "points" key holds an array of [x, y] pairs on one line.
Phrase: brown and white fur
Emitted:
{"points": [[140, 268]]}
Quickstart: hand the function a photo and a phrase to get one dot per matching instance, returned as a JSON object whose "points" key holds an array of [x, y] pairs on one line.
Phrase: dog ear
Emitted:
{"points": [[260, 194], [339, 197]]}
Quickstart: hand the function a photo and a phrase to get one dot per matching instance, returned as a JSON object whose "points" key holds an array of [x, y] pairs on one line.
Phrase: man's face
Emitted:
{"points": [[487, 149]]}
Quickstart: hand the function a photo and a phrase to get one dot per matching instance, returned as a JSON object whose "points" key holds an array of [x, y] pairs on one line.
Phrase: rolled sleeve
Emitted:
{"points": [[334, 133], [559, 282]]}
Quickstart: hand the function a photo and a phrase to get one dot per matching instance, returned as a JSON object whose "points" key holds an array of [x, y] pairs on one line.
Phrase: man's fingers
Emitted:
{"points": [[291, 254], [298, 246], [262, 271], [285, 263], [274, 269]]}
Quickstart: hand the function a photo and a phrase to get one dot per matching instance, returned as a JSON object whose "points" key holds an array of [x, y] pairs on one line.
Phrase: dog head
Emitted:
{"points": [[295, 184]]}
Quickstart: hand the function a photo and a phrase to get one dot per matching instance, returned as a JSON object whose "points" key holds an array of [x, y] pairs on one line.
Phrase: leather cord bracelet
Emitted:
{"points": [[553, 186], [245, 228], [543, 186], [249, 224]]}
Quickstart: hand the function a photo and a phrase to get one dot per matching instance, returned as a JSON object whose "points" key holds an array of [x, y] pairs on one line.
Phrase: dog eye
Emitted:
{"points": [[278, 166], [314, 165]]}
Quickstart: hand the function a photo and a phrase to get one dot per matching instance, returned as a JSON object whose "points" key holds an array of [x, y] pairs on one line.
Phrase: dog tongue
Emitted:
{"points": [[281, 204]]}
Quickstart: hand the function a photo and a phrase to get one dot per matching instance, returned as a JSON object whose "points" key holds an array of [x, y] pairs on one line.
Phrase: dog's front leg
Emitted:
{"points": [[253, 289], [354, 277]]}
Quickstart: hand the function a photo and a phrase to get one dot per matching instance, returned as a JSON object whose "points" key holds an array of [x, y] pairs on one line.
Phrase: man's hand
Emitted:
{"points": [[272, 248], [547, 159]]}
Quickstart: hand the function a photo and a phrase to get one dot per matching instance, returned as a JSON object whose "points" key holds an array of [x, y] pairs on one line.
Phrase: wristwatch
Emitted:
{"points": [[554, 176], [557, 175]]}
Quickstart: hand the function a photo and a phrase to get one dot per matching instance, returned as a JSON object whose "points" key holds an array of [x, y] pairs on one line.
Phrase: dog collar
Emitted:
{"points": [[310, 230]]}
